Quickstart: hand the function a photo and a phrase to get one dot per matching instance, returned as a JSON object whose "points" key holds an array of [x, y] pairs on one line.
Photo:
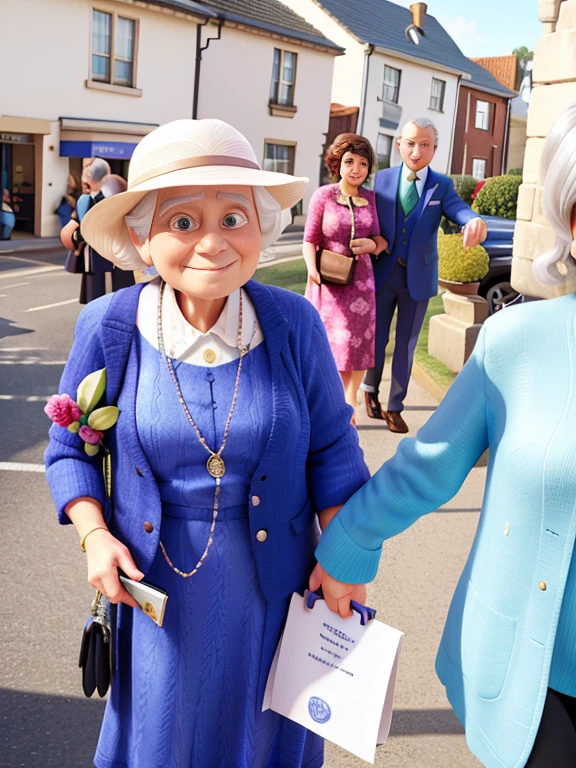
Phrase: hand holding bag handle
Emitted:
{"points": [[334, 267]]}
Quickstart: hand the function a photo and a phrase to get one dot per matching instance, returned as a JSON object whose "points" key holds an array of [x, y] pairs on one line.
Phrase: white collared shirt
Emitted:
{"points": [[185, 343], [422, 176]]}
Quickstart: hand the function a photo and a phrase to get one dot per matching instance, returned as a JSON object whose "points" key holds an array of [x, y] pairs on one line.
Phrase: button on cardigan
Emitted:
{"points": [[312, 461]]}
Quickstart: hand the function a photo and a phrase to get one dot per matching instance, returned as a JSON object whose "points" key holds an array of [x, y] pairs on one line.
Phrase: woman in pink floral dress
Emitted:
{"points": [[347, 311]]}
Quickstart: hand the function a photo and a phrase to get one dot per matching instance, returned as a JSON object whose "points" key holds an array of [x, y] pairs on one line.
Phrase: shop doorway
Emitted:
{"points": [[17, 176]]}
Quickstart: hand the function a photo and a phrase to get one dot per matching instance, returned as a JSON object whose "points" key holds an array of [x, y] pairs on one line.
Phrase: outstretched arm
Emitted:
{"points": [[455, 209], [425, 472]]}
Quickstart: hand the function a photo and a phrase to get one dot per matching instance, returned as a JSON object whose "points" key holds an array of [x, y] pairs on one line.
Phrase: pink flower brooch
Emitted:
{"points": [[82, 417]]}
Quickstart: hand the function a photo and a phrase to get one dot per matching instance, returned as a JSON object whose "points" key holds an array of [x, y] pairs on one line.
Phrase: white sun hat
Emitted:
{"points": [[183, 153]]}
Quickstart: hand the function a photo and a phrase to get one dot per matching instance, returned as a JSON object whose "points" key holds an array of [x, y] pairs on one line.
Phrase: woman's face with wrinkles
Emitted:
{"points": [[204, 241]]}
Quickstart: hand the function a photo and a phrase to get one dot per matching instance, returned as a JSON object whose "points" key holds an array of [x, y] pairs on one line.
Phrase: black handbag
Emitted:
{"points": [[336, 268], [97, 646], [97, 651]]}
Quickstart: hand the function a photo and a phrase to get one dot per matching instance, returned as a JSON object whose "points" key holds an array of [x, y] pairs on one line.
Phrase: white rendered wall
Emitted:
{"points": [[47, 80], [235, 87], [414, 98], [349, 68]]}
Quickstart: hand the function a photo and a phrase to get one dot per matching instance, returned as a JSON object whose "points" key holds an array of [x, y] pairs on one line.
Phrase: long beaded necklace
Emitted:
{"points": [[215, 464]]}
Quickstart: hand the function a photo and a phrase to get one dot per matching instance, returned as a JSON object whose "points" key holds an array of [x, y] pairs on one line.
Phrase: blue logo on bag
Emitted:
{"points": [[319, 710]]}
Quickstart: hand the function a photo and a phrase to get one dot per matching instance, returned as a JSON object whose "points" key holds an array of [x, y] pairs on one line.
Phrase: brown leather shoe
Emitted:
{"points": [[395, 422], [373, 407]]}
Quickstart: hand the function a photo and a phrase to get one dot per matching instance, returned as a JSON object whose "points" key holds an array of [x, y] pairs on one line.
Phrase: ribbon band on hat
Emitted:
{"points": [[195, 162]]}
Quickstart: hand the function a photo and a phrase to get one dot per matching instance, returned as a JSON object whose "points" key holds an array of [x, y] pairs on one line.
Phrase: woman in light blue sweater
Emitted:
{"points": [[508, 652]]}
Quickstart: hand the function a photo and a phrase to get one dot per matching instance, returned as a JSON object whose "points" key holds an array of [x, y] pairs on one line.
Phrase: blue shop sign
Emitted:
{"points": [[113, 150]]}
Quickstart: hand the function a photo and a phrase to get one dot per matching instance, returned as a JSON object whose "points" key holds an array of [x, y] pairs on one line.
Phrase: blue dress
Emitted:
{"points": [[189, 694]]}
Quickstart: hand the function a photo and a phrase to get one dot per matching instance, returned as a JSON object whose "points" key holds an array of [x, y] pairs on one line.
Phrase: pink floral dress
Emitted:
{"points": [[347, 311]]}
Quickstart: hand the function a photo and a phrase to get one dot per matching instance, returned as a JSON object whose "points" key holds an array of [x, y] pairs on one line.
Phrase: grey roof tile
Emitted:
{"points": [[271, 15], [383, 24]]}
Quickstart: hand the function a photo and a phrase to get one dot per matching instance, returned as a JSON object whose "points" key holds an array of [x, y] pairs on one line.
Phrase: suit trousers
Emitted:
{"points": [[555, 745], [394, 294]]}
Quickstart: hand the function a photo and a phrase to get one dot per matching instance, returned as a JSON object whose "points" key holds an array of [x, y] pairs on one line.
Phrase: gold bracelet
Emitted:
{"points": [[83, 539]]}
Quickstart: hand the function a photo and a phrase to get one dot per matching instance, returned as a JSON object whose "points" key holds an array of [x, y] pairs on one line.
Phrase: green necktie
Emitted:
{"points": [[409, 197]]}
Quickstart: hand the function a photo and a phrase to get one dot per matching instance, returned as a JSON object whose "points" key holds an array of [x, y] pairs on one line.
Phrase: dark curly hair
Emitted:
{"points": [[348, 142]]}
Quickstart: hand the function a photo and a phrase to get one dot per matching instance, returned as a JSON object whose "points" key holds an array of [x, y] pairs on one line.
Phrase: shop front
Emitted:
{"points": [[20, 172]]}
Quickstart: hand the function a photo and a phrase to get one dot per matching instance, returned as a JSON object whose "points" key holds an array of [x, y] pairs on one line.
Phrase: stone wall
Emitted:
{"points": [[554, 79]]}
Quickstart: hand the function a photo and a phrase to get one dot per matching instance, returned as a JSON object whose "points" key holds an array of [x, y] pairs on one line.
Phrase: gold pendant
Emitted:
{"points": [[215, 466]]}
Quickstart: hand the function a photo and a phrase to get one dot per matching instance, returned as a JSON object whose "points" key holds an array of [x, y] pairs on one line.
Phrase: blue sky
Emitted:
{"points": [[487, 27]]}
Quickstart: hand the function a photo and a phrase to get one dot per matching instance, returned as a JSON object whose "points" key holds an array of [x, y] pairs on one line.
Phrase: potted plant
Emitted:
{"points": [[460, 271]]}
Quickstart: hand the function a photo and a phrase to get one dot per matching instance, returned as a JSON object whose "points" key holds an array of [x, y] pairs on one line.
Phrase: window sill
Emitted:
{"points": [[434, 109], [122, 89], [282, 110]]}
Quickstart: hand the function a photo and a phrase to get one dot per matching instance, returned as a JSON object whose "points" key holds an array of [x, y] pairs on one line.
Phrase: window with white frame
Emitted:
{"points": [[383, 151], [279, 157], [437, 94], [391, 87], [483, 115], [479, 169], [283, 78], [113, 48]]}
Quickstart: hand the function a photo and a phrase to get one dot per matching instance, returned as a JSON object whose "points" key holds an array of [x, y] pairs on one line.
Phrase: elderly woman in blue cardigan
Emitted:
{"points": [[508, 652], [233, 432]]}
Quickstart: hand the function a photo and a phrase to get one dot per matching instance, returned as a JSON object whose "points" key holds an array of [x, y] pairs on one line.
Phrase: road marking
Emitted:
{"points": [[33, 362], [51, 306], [27, 398], [274, 262], [20, 349], [16, 285], [27, 272], [16, 466]]}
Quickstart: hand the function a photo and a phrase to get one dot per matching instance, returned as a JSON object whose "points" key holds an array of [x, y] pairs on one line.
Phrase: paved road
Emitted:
{"points": [[45, 722]]}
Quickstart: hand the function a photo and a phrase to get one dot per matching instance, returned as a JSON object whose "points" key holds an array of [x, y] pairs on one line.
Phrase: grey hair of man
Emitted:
{"points": [[271, 217], [423, 122], [558, 176], [98, 169]]}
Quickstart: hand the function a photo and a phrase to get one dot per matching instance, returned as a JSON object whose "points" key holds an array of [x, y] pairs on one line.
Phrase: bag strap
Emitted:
{"points": [[352, 222]]}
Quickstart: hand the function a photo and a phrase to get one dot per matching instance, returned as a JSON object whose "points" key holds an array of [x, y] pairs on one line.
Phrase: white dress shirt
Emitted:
{"points": [[185, 343], [422, 176]]}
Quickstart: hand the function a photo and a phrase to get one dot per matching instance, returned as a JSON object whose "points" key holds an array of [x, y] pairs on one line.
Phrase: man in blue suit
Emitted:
{"points": [[410, 199]]}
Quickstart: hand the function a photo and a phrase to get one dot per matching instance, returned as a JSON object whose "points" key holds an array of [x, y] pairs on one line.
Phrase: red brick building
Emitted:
{"points": [[482, 122]]}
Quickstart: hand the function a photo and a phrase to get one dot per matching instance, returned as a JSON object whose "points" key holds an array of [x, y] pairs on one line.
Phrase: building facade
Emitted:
{"points": [[389, 79], [110, 71], [482, 134], [554, 89]]}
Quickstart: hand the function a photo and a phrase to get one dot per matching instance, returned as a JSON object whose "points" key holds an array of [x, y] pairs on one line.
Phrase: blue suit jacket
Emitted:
{"points": [[440, 199], [497, 646], [312, 460]]}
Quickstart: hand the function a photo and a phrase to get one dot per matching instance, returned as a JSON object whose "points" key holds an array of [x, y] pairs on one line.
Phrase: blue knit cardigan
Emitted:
{"points": [[517, 396], [312, 461]]}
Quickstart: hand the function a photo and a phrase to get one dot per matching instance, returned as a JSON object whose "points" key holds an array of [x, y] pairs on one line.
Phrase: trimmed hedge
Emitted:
{"points": [[499, 197], [458, 265], [465, 186]]}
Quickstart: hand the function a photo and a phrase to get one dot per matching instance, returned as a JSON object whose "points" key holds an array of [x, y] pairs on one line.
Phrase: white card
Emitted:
{"points": [[335, 677]]}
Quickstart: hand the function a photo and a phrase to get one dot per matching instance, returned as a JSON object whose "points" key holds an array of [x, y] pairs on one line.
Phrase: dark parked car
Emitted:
{"points": [[495, 287]]}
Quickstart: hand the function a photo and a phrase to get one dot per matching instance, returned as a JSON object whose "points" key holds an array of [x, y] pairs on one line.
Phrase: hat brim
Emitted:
{"points": [[104, 227]]}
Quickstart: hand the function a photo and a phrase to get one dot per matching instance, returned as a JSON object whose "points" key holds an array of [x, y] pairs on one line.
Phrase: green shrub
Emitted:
{"points": [[458, 265], [499, 197], [514, 172], [464, 185]]}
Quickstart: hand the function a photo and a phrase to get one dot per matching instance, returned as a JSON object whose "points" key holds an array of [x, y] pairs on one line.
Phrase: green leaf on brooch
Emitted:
{"points": [[91, 450], [91, 390], [103, 418]]}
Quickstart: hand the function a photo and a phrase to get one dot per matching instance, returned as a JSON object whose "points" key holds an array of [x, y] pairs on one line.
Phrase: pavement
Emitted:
{"points": [[45, 721]]}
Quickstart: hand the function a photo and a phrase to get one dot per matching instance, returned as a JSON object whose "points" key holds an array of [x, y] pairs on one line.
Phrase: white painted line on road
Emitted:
{"points": [[274, 262], [16, 466], [28, 272], [2, 295], [51, 306], [20, 349], [27, 398], [16, 285], [33, 362]]}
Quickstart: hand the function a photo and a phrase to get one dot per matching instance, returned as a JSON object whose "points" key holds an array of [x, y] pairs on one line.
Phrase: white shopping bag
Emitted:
{"points": [[335, 677]]}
